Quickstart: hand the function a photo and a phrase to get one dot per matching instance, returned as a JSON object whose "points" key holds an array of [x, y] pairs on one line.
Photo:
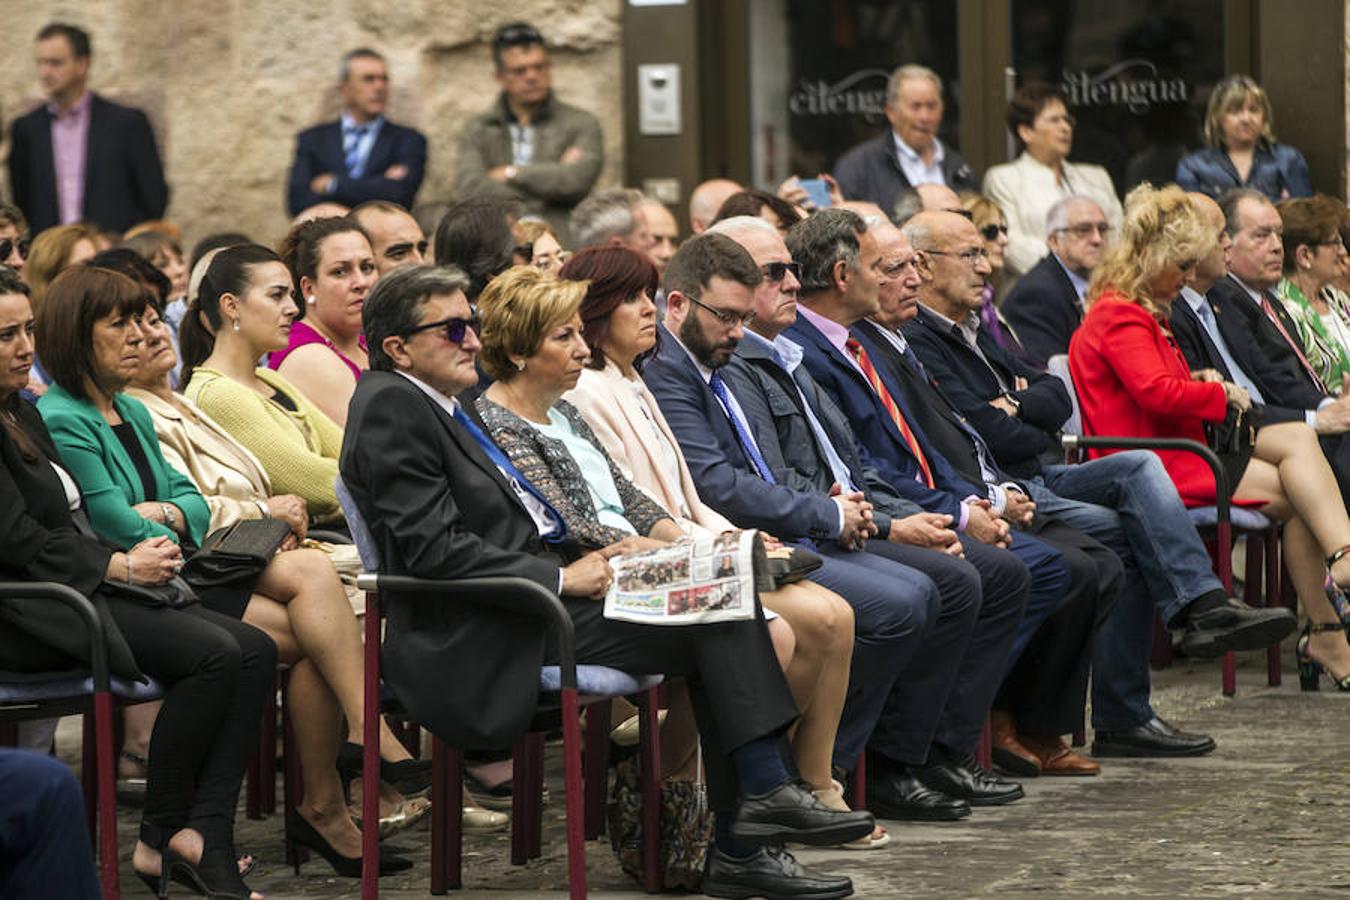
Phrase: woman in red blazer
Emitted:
{"points": [[1133, 381]]}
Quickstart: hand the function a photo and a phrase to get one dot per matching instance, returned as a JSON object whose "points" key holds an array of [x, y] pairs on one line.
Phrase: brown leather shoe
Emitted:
{"points": [[1008, 751], [1057, 759]]}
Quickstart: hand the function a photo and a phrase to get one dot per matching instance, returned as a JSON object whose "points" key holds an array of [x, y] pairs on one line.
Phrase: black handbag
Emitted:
{"points": [[174, 593], [1234, 440], [236, 553]]}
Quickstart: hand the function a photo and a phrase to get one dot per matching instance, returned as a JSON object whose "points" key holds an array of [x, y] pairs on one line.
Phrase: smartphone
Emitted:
{"points": [[818, 189]]}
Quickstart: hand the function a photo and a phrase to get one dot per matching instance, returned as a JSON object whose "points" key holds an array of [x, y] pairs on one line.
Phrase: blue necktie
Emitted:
{"points": [[1211, 326], [742, 433], [518, 482], [351, 148]]}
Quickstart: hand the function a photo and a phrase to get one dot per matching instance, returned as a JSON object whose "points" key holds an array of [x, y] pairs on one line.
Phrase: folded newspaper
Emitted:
{"points": [[706, 579]]}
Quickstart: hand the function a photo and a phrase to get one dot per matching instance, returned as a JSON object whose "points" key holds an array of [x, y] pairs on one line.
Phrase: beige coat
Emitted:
{"points": [[1025, 189], [229, 477], [622, 418]]}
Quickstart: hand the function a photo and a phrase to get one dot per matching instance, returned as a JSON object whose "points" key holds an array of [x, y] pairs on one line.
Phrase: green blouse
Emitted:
{"points": [[1327, 355], [107, 477]]}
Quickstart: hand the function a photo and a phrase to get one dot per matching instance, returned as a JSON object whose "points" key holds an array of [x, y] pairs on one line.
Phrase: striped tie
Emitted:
{"points": [[865, 363], [351, 149]]}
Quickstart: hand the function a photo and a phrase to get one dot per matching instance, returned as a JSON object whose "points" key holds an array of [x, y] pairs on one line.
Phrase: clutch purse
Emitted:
{"points": [[237, 552], [174, 593], [788, 565]]}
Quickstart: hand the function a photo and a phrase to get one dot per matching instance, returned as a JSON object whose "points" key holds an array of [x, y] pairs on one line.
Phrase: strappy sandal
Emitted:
{"points": [[1336, 557], [1310, 671]]}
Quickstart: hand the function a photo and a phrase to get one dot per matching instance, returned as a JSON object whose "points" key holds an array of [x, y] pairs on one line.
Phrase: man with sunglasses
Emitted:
{"points": [[529, 146], [1045, 307], [395, 237]]}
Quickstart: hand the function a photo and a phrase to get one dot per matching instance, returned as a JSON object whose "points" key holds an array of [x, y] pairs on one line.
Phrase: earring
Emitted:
{"points": [[234, 326], [520, 365], [310, 299]]}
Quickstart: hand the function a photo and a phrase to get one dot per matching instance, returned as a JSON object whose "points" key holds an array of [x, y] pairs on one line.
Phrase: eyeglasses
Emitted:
{"points": [[1086, 229], [9, 245], [775, 272], [518, 35], [726, 317], [991, 232], [971, 257], [454, 328]]}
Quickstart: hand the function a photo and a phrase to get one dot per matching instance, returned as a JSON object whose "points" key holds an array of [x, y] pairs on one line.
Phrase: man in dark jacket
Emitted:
{"points": [[908, 153], [79, 157]]}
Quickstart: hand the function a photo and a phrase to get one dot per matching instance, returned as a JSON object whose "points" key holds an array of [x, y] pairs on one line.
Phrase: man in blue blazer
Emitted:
{"points": [[80, 157], [362, 156], [921, 661], [1126, 500]]}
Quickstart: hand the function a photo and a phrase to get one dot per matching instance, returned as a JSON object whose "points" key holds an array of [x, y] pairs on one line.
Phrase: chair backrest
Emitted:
{"points": [[361, 536], [1058, 366]]}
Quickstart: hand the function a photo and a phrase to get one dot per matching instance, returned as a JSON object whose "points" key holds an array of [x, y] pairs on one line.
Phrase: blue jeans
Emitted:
{"points": [[1128, 502]]}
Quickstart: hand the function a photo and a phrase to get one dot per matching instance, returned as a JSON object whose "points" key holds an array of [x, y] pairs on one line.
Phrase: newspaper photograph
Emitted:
{"points": [[708, 579]]}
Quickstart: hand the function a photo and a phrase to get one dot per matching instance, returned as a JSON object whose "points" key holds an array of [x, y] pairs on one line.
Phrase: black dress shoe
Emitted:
{"points": [[790, 812], [899, 795], [1235, 626], [771, 873], [962, 777], [1153, 738]]}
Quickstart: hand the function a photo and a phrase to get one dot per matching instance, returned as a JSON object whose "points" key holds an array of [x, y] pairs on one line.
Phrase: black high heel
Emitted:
{"points": [[410, 777], [1309, 669], [299, 831], [215, 877]]}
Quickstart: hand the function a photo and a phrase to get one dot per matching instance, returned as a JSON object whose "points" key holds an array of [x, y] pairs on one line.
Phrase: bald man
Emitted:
{"points": [[707, 199]]}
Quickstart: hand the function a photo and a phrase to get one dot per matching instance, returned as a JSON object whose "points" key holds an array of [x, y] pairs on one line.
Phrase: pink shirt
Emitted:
{"points": [[70, 148], [302, 334]]}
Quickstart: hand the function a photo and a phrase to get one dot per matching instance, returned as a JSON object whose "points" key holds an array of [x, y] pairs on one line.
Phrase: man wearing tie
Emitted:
{"points": [[362, 156]]}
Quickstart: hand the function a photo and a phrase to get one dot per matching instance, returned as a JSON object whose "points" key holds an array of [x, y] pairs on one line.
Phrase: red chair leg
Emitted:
{"points": [[452, 806], [860, 782], [370, 736], [1229, 667], [1161, 656], [267, 753], [575, 813], [107, 797], [984, 751], [649, 773], [1274, 674], [536, 823], [89, 774], [595, 766], [520, 803]]}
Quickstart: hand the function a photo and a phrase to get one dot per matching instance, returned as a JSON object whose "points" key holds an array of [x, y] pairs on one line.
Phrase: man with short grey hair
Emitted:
{"points": [[362, 156], [612, 217], [909, 153], [1045, 307]]}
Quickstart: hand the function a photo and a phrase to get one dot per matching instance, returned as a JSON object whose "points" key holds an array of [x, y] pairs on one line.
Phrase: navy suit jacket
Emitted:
{"points": [[871, 171], [1280, 376], [875, 430], [123, 178], [1201, 353], [1044, 309], [318, 150], [772, 401], [725, 478], [1016, 441]]}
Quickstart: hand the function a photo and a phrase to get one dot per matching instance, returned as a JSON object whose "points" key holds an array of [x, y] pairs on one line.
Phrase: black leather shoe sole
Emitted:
{"points": [[737, 890], [1015, 765], [1255, 634], [1112, 749], [841, 830], [996, 799], [915, 813]]}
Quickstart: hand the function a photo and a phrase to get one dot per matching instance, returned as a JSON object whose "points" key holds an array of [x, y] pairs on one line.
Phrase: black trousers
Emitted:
{"points": [[1046, 688], [218, 673], [736, 686]]}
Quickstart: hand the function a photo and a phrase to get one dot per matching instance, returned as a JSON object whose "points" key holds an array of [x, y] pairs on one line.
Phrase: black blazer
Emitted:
{"points": [[318, 150], [871, 171], [39, 541], [1016, 442], [123, 178], [1281, 377], [1044, 309], [438, 507], [1201, 353]]}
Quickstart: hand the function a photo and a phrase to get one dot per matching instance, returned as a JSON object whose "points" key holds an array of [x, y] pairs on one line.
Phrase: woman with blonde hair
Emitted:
{"points": [[1132, 381], [1240, 147], [55, 250]]}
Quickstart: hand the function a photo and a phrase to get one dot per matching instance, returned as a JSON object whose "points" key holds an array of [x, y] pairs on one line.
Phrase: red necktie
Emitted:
{"points": [[865, 363], [1293, 344]]}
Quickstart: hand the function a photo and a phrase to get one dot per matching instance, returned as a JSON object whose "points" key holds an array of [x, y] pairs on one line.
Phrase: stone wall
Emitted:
{"points": [[227, 84]]}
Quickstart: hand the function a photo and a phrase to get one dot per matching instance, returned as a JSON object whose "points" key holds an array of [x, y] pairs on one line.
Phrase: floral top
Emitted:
{"points": [[1329, 357], [546, 463]]}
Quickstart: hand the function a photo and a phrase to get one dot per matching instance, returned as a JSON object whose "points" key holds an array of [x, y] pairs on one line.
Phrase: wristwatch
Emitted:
{"points": [[1011, 398]]}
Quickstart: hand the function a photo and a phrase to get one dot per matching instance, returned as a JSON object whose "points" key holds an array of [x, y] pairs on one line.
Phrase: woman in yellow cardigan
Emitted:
{"points": [[245, 308]]}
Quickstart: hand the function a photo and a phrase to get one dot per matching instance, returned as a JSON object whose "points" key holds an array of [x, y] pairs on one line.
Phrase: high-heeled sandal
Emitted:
{"points": [[1309, 669], [409, 777], [300, 831], [215, 877], [1335, 557]]}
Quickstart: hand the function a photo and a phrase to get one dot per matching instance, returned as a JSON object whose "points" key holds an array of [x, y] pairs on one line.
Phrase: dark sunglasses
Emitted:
{"points": [[775, 272], [991, 232], [517, 35], [8, 245], [454, 329]]}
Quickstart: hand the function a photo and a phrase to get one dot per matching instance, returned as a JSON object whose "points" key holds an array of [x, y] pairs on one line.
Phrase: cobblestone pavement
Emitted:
{"points": [[1267, 815]]}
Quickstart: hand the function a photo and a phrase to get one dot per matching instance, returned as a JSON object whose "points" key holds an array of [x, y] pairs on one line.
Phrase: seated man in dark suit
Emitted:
{"points": [[362, 156], [797, 424], [1045, 306], [1262, 337], [910, 690], [443, 502], [1130, 504], [79, 157]]}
